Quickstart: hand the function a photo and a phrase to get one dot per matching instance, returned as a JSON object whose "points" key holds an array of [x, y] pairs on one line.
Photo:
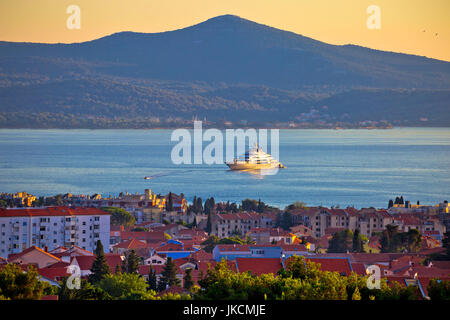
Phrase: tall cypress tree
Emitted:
{"points": [[131, 263], [194, 205], [357, 242], [169, 205], [152, 281], [188, 283], [209, 224], [99, 267], [199, 205], [169, 275]]}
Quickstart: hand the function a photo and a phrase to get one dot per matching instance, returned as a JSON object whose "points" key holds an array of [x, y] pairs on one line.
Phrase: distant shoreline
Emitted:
{"points": [[224, 128]]}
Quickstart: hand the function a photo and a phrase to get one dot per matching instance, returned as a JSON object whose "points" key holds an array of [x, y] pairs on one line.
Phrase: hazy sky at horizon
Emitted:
{"points": [[410, 26]]}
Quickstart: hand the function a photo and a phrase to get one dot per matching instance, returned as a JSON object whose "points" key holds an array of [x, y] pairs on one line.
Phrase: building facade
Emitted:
{"points": [[52, 227]]}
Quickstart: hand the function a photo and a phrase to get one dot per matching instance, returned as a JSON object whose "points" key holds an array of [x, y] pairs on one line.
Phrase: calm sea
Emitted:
{"points": [[324, 167]]}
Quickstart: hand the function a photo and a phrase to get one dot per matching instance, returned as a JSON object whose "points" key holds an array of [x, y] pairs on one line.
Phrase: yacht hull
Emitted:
{"points": [[252, 166]]}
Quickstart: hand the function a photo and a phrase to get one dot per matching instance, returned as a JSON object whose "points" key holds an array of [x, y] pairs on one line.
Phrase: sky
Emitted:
{"points": [[420, 27]]}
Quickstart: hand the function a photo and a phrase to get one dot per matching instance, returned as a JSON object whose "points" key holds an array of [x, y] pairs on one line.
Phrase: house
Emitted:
{"points": [[270, 235], [227, 224], [232, 251], [158, 269], [155, 259], [34, 255], [192, 234], [66, 254], [85, 263], [175, 249], [128, 245], [301, 231]]}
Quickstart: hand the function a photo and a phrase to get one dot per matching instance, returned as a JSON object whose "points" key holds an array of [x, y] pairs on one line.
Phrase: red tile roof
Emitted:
{"points": [[131, 244], [15, 256], [85, 262], [51, 211], [259, 266], [202, 255], [340, 265], [54, 273], [293, 247], [425, 281], [359, 268], [170, 247]]}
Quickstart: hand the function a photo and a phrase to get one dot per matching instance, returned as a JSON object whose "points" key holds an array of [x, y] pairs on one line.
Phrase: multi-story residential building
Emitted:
{"points": [[233, 251], [270, 235], [320, 219], [52, 227], [228, 224]]}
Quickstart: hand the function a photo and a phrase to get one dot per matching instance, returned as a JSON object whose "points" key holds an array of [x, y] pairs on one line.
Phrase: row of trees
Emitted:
{"points": [[391, 240], [301, 280], [394, 241], [347, 241], [210, 243], [125, 283]]}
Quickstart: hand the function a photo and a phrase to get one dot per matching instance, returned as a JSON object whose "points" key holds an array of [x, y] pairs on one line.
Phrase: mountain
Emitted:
{"points": [[225, 68]]}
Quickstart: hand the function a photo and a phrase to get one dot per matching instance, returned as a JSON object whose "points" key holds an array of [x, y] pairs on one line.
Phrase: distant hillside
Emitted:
{"points": [[225, 69]]}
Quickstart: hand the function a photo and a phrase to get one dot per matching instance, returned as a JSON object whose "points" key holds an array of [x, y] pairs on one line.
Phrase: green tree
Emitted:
{"points": [[284, 220], [152, 280], [120, 217], [199, 205], [87, 291], [209, 224], [414, 240], [358, 244], [100, 267], [131, 262], [341, 242], [169, 204], [168, 275], [393, 241], [188, 283], [439, 290], [296, 205], [15, 284], [390, 204], [126, 286]]}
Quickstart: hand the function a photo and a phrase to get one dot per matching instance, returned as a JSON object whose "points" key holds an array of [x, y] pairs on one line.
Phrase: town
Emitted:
{"points": [[174, 247]]}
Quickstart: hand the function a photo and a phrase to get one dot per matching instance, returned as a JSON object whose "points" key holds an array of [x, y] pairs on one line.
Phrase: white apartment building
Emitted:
{"points": [[226, 224], [52, 227]]}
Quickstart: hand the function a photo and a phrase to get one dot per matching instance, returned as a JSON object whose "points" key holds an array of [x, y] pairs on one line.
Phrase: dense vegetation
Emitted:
{"points": [[301, 280]]}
